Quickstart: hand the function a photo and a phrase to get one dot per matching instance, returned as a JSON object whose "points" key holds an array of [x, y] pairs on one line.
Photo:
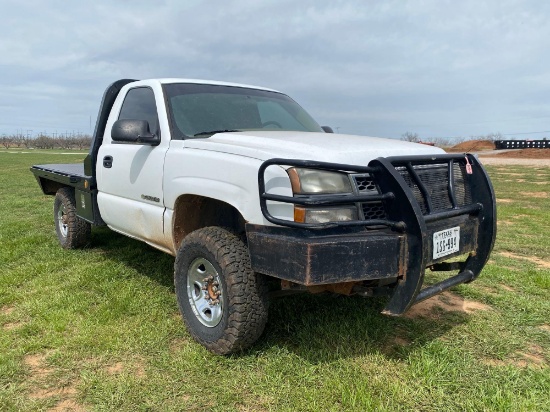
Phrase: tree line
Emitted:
{"points": [[44, 141]]}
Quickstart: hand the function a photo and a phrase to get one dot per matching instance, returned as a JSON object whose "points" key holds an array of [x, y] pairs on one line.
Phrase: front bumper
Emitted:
{"points": [[400, 247]]}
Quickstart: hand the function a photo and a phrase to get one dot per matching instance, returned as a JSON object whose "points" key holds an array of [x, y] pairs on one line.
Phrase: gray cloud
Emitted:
{"points": [[439, 68]]}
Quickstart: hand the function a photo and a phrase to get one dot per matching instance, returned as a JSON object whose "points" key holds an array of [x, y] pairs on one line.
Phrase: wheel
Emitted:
{"points": [[272, 122], [72, 232], [222, 301]]}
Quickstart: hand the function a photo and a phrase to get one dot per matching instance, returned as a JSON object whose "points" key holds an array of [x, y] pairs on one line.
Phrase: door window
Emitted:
{"points": [[139, 104]]}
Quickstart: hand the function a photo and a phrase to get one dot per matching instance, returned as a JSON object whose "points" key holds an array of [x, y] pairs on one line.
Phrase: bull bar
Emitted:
{"points": [[405, 219]]}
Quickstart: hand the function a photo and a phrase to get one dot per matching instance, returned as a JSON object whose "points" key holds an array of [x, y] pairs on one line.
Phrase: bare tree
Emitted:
{"points": [[63, 142], [44, 142], [83, 142], [494, 136], [410, 137], [6, 141], [27, 142], [442, 141]]}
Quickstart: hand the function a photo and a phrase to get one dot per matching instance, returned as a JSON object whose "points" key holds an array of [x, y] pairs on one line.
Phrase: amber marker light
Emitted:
{"points": [[294, 181], [299, 214]]}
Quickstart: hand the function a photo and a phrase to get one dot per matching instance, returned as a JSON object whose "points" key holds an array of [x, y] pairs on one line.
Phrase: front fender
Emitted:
{"points": [[226, 177]]}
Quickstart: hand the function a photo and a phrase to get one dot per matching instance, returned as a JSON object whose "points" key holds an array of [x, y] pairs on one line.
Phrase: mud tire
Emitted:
{"points": [[72, 231], [244, 294]]}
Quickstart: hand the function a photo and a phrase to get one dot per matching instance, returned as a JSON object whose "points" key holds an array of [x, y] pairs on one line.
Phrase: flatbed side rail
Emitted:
{"points": [[65, 177], [412, 206], [52, 177]]}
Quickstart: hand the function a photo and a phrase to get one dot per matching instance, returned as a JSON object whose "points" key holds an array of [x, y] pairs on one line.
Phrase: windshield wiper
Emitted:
{"points": [[215, 131]]}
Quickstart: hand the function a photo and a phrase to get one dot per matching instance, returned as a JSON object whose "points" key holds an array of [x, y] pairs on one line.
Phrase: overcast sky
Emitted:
{"points": [[436, 68]]}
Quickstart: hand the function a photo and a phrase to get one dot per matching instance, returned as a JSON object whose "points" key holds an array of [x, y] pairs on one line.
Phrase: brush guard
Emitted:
{"points": [[411, 214]]}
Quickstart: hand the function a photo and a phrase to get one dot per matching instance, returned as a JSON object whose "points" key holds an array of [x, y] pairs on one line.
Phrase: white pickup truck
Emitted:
{"points": [[245, 189]]}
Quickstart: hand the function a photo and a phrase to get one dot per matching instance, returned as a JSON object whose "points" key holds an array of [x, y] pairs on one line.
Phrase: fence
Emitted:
{"points": [[522, 144]]}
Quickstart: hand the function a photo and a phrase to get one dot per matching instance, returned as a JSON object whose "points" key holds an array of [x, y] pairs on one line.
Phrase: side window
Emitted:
{"points": [[139, 104]]}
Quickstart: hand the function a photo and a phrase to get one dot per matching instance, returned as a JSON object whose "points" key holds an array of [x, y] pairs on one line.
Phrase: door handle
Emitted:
{"points": [[108, 162]]}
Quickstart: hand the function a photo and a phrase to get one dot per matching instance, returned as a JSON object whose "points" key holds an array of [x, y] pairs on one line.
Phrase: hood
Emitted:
{"points": [[324, 147]]}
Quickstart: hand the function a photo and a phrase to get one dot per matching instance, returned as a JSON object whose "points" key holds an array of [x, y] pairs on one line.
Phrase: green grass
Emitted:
{"points": [[99, 329]]}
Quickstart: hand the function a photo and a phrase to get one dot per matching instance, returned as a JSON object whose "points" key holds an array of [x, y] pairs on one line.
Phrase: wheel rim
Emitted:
{"points": [[204, 292], [62, 221]]}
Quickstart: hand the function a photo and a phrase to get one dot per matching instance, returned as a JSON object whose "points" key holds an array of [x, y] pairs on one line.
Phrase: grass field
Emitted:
{"points": [[98, 329]]}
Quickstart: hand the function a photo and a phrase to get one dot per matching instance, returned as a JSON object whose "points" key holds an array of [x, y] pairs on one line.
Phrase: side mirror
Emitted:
{"points": [[327, 129], [133, 131]]}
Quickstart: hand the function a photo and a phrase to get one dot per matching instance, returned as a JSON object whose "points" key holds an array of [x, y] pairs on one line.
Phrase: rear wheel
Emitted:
{"points": [[223, 302], [72, 231]]}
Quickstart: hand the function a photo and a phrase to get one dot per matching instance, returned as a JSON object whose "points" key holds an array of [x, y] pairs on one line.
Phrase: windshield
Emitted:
{"points": [[200, 110]]}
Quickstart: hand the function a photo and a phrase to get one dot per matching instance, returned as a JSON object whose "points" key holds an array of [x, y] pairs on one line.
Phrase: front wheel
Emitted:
{"points": [[222, 301], [72, 231]]}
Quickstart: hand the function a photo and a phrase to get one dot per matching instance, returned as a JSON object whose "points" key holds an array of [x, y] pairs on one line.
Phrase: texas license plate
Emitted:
{"points": [[446, 242]]}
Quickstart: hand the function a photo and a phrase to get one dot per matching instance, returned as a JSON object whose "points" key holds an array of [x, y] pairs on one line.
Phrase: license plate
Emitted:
{"points": [[446, 242]]}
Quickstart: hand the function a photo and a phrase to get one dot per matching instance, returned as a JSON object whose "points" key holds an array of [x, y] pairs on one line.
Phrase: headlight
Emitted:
{"points": [[312, 181], [319, 182]]}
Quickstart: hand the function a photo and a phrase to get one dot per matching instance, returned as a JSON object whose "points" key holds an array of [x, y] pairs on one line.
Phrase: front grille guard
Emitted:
{"points": [[405, 215]]}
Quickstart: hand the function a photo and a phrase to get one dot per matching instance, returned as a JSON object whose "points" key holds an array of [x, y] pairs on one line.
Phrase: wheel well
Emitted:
{"points": [[49, 187], [193, 212]]}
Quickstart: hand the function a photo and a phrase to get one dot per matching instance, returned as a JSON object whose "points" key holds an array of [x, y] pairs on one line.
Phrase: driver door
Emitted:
{"points": [[129, 178]]}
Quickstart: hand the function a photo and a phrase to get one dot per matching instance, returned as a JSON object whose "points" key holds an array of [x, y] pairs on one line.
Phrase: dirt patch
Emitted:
{"points": [[538, 195], [507, 288], [533, 357], [473, 146], [115, 369], [178, 344], [67, 405], [504, 200], [139, 371], [39, 377], [136, 368], [51, 392], [447, 302], [524, 154], [497, 160], [12, 325], [490, 290], [545, 327], [37, 364], [505, 222], [7, 310], [537, 261]]}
